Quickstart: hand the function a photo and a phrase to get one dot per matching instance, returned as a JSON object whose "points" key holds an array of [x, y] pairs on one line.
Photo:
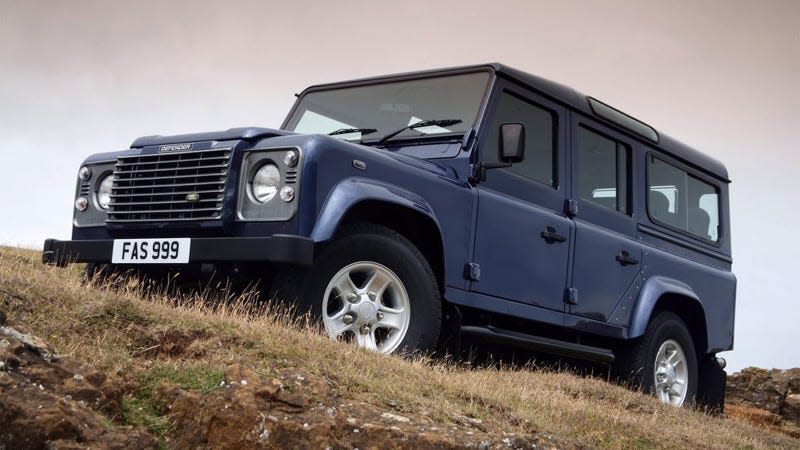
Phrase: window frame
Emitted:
{"points": [[649, 157], [628, 163], [490, 113]]}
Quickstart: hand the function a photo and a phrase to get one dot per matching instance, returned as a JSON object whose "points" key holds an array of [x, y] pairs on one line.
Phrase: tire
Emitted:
{"points": [[667, 339], [404, 317]]}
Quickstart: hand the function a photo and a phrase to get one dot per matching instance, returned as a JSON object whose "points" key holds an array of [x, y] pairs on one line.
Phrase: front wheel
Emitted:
{"points": [[663, 361], [373, 287]]}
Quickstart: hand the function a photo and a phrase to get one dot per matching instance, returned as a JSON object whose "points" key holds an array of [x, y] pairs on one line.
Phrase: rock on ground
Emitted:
{"points": [[48, 401], [768, 398]]}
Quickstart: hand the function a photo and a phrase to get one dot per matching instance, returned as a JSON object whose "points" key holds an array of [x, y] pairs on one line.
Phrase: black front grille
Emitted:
{"points": [[169, 187]]}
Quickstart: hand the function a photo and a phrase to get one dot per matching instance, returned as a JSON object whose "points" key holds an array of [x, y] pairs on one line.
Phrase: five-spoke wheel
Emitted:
{"points": [[366, 302], [370, 286], [663, 361]]}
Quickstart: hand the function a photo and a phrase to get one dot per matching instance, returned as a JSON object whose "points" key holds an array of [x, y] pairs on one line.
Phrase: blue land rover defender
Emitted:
{"points": [[478, 202]]}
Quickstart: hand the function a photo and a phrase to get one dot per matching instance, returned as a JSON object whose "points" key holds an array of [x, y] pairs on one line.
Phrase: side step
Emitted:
{"points": [[541, 344]]}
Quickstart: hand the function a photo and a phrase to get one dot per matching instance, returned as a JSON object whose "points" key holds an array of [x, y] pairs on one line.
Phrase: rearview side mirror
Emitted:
{"points": [[512, 143]]}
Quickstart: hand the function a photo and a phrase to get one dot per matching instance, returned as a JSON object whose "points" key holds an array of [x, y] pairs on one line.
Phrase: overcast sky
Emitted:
{"points": [[83, 77]]}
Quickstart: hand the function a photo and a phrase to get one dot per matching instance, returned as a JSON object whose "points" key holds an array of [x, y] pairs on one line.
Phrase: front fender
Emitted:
{"points": [[351, 191], [654, 288]]}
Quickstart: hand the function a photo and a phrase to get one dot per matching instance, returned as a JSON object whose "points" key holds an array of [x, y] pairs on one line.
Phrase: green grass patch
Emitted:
{"points": [[143, 410]]}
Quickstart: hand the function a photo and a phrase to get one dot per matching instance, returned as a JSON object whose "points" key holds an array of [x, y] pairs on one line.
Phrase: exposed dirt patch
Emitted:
{"points": [[48, 401], [169, 342], [296, 409]]}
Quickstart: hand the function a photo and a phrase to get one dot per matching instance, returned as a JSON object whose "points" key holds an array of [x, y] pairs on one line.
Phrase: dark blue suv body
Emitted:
{"points": [[409, 210]]}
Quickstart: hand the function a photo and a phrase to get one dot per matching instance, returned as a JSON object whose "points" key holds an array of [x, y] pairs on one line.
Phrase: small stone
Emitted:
{"points": [[77, 377], [244, 382], [2, 365], [388, 415], [351, 420], [305, 426]]}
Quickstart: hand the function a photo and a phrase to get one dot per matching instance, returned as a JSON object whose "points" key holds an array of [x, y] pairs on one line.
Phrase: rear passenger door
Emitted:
{"points": [[607, 257]]}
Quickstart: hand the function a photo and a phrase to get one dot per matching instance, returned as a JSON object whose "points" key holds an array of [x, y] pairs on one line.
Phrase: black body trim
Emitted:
{"points": [[278, 248], [538, 343]]}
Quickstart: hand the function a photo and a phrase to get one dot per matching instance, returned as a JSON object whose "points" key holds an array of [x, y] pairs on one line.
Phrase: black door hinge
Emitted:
{"points": [[571, 207], [472, 271], [571, 296]]}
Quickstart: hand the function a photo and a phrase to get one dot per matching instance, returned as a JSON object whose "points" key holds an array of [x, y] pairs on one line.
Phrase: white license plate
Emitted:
{"points": [[151, 251]]}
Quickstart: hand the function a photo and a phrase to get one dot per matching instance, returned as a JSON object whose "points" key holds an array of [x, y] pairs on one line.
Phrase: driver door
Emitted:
{"points": [[523, 237]]}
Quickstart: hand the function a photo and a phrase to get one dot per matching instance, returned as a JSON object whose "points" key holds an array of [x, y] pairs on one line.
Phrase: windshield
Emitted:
{"points": [[378, 110]]}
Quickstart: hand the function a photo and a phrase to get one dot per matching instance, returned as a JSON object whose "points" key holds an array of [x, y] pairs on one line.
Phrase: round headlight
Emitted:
{"points": [[265, 182], [104, 191]]}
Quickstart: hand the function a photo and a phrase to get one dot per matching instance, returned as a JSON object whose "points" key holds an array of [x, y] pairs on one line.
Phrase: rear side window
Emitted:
{"points": [[603, 170], [540, 143], [682, 201]]}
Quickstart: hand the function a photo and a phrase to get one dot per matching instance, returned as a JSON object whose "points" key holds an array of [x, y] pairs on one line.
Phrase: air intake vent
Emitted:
{"points": [[169, 187], [85, 189]]}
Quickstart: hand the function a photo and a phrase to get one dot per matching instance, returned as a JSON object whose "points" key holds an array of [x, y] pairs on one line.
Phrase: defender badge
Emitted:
{"points": [[174, 148], [193, 197]]}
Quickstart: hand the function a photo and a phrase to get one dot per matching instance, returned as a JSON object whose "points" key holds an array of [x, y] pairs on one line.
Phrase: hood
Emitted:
{"points": [[246, 134]]}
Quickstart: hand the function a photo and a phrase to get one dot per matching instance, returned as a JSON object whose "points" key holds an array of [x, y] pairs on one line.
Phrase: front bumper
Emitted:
{"points": [[277, 248]]}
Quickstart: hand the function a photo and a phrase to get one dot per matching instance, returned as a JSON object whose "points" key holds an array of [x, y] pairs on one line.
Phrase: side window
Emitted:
{"points": [[678, 199], [540, 144], [603, 171]]}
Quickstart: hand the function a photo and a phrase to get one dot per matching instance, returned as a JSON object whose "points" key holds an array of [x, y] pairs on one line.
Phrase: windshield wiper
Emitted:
{"points": [[424, 123], [363, 131]]}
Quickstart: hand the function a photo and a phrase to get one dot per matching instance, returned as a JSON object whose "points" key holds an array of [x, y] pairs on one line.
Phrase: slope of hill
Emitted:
{"points": [[115, 369]]}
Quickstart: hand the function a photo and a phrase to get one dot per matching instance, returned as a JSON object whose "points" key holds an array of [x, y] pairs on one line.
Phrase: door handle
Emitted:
{"points": [[550, 235], [625, 259]]}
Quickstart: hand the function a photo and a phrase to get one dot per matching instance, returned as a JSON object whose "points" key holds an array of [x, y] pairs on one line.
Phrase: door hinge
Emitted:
{"points": [[472, 271], [571, 296], [571, 207]]}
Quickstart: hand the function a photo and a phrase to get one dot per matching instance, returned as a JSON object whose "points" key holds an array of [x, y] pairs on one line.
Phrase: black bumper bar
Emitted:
{"points": [[277, 248]]}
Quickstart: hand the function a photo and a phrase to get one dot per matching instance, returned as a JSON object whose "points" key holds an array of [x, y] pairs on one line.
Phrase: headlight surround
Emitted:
{"points": [[103, 194], [265, 182]]}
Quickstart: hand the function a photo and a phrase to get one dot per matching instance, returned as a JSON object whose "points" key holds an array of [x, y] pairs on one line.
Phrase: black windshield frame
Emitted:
{"points": [[471, 123]]}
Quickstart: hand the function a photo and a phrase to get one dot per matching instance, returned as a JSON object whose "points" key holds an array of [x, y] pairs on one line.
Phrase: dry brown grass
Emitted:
{"points": [[117, 330]]}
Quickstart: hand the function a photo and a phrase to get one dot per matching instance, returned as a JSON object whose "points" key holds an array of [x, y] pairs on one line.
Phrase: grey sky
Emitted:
{"points": [[83, 77]]}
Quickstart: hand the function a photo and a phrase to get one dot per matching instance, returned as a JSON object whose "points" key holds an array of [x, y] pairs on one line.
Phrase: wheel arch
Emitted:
{"points": [[666, 294], [365, 200]]}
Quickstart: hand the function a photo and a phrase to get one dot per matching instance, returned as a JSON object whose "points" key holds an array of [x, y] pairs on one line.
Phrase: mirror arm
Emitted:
{"points": [[484, 166]]}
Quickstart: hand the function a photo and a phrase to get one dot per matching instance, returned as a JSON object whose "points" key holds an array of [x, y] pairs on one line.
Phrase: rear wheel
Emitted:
{"points": [[372, 287], [663, 361]]}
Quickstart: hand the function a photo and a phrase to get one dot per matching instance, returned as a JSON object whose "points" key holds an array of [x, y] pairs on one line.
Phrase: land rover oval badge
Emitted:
{"points": [[193, 197]]}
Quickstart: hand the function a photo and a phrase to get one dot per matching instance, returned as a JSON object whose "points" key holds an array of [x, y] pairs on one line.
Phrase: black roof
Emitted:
{"points": [[571, 98]]}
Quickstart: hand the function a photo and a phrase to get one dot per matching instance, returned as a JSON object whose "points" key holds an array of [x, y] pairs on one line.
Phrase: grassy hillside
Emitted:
{"points": [[191, 364]]}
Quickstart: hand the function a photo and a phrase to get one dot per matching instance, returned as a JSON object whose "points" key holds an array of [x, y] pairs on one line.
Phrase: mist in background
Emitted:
{"points": [[85, 77]]}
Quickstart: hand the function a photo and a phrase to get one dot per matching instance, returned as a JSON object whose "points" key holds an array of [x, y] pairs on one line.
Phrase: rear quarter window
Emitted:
{"points": [[680, 200]]}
